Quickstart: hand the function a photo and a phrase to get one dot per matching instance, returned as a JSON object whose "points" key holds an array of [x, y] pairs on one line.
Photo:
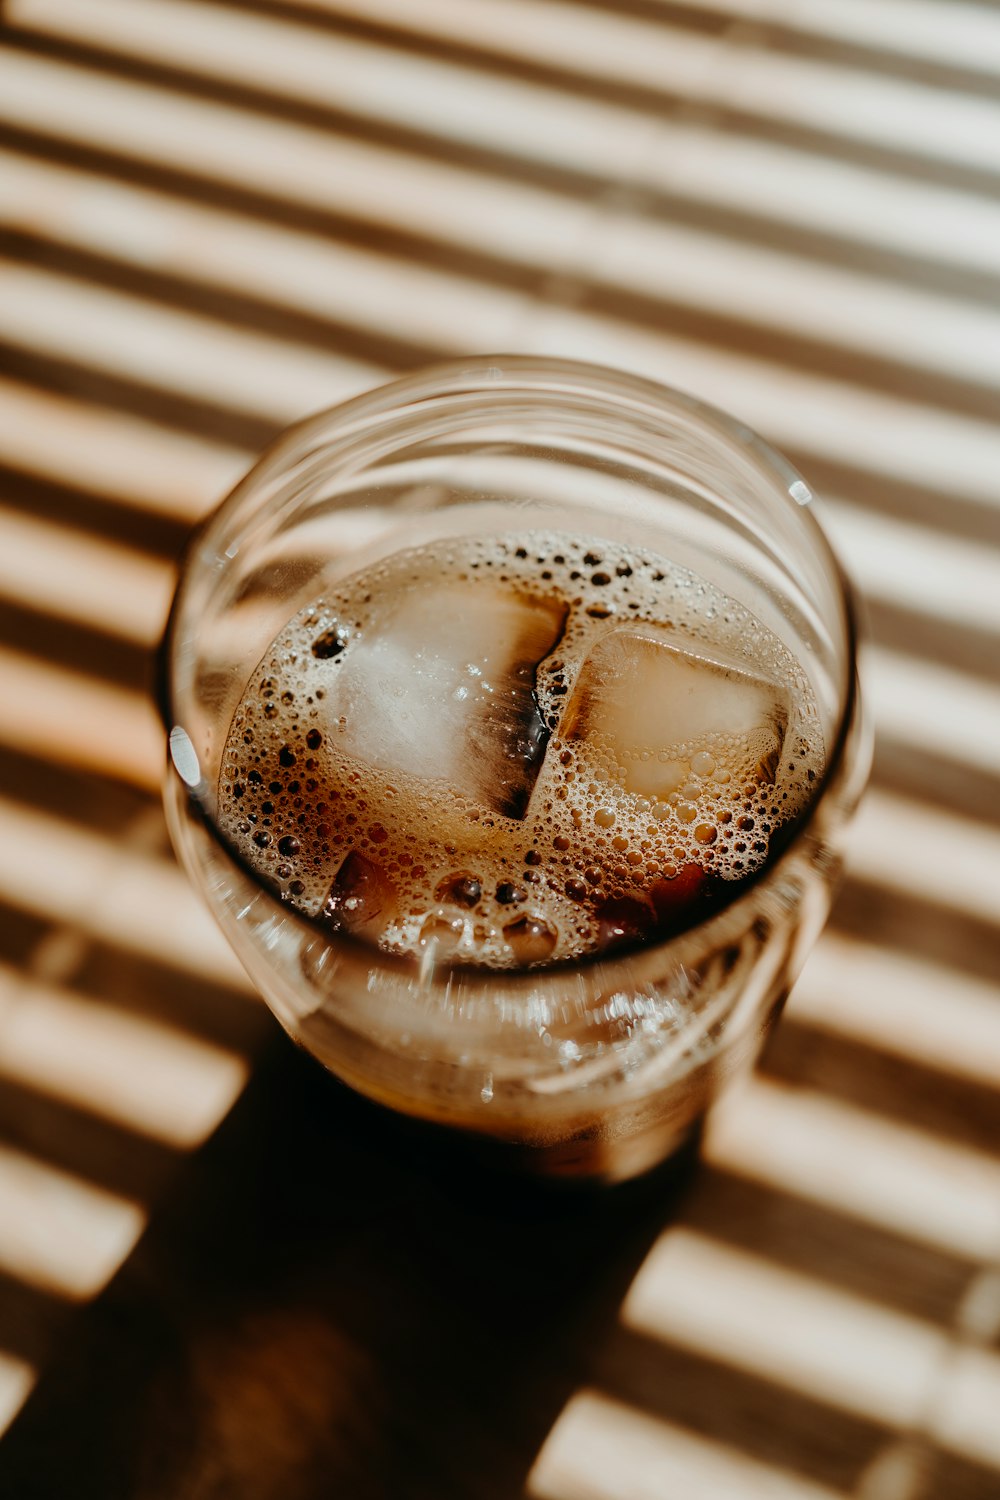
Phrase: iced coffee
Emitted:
{"points": [[513, 717], [517, 750]]}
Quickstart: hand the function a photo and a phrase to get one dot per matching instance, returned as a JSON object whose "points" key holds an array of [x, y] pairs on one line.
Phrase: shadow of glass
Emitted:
{"points": [[30, 1320], [960, 1478], [330, 1304]]}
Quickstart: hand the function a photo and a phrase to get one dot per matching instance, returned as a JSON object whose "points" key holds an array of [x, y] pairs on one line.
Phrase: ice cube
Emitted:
{"points": [[662, 709], [441, 687]]}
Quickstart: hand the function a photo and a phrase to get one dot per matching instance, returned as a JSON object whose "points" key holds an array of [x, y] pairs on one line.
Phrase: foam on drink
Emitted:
{"points": [[517, 749]]}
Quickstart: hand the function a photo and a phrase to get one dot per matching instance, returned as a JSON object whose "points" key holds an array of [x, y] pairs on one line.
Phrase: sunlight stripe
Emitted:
{"points": [[907, 441], [583, 1457], [915, 850], [398, 190], [17, 1378], [137, 464], [947, 578], [801, 298], [139, 1073], [942, 125], [128, 900], [201, 358], [949, 33], [71, 575], [805, 1335], [71, 719], [965, 1418], [59, 1233], [935, 710], [906, 1007], [375, 82], [859, 1163]]}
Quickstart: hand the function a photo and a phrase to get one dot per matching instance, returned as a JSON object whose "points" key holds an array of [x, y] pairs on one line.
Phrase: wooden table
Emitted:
{"points": [[219, 1274]]}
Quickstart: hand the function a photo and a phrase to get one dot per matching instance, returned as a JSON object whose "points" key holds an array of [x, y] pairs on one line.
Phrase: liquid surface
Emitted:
{"points": [[518, 749]]}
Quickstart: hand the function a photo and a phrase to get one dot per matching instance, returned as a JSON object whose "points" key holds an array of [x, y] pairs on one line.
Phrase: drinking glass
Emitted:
{"points": [[600, 1067]]}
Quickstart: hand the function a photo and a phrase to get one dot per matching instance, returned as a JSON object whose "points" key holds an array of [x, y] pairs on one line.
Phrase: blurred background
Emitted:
{"points": [[218, 1275]]}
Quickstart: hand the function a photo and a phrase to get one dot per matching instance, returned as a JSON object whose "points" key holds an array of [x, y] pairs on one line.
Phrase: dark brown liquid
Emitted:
{"points": [[511, 751]]}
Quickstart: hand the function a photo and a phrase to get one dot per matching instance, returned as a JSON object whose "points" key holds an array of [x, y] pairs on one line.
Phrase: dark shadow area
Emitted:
{"points": [[960, 1478], [84, 800], [920, 926], [151, 988], [931, 1099], [953, 785], [797, 41], [794, 351], [901, 499], [20, 934], [223, 304], [816, 1241], [190, 414], [159, 535], [327, 1305], [77, 1141], [30, 1319], [953, 643], [81, 647], [771, 1423]]}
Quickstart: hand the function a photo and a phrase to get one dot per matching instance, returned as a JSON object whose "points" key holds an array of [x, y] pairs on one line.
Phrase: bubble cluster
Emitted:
{"points": [[662, 740]]}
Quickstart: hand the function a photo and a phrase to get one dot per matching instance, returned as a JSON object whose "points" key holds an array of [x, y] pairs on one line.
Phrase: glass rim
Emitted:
{"points": [[482, 375]]}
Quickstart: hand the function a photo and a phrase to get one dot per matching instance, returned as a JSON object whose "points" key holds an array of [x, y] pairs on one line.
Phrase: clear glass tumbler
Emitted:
{"points": [[598, 1068]]}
